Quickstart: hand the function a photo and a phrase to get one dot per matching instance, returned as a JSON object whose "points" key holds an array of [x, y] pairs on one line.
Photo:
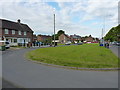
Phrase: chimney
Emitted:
{"points": [[18, 20]]}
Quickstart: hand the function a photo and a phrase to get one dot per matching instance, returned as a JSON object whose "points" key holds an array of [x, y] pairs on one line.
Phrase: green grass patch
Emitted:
{"points": [[84, 56], [60, 44]]}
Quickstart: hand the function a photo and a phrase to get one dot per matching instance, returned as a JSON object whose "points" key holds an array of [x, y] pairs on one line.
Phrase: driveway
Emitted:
{"points": [[23, 73]]}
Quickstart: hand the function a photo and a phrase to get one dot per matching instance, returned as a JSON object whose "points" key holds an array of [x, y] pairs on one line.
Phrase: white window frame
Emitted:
{"points": [[19, 33], [13, 31], [25, 33], [6, 31]]}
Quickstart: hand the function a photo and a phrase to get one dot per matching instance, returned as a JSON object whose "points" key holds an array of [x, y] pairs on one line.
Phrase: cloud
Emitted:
{"points": [[38, 14]]}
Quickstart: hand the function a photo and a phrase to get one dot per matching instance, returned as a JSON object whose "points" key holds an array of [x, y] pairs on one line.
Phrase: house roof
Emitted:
{"points": [[75, 36], [44, 35], [66, 35], [14, 25]]}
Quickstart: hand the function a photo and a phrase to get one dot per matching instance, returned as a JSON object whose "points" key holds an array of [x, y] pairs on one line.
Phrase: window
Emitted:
{"points": [[13, 31], [25, 33], [19, 32], [15, 40], [6, 31]]}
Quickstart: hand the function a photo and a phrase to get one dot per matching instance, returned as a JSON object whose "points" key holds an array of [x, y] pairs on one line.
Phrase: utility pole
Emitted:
{"points": [[103, 30], [102, 36], [54, 27], [102, 33], [119, 13]]}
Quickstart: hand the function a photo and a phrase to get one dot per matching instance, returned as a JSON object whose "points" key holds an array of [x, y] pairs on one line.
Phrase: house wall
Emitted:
{"points": [[63, 38], [89, 39], [34, 38], [0, 33], [43, 37], [39, 38], [29, 34], [20, 38]]}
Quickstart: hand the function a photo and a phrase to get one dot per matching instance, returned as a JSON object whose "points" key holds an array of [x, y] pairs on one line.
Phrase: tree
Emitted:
{"points": [[56, 37], [113, 34], [86, 37], [90, 35], [58, 34]]}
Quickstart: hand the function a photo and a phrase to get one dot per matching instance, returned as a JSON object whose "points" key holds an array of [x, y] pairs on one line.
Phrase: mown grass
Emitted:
{"points": [[60, 44], [84, 56]]}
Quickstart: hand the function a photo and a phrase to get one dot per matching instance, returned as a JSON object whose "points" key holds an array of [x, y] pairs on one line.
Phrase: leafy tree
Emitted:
{"points": [[58, 34], [86, 37], [56, 37], [113, 34], [90, 35]]}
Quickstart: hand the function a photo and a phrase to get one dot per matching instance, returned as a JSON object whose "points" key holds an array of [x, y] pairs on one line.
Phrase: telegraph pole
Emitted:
{"points": [[54, 27]]}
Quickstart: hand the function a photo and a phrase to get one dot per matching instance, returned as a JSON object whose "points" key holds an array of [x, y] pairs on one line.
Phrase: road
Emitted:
{"points": [[23, 73], [115, 49]]}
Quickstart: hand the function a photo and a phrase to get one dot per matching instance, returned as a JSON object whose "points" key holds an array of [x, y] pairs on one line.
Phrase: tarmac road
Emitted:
{"points": [[115, 49], [22, 73]]}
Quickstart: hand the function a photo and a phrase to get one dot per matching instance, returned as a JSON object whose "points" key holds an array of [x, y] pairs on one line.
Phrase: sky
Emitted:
{"points": [[81, 17]]}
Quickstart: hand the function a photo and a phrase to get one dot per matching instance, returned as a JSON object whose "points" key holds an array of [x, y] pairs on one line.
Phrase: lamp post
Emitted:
{"points": [[54, 25]]}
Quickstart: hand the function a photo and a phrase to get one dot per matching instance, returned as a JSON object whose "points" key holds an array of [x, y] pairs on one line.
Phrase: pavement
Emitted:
{"points": [[19, 72]]}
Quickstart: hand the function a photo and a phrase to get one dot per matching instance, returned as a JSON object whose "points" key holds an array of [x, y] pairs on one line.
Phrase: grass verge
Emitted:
{"points": [[83, 56]]}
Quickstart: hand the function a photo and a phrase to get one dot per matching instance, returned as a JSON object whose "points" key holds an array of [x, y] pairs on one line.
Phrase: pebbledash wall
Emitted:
{"points": [[16, 33]]}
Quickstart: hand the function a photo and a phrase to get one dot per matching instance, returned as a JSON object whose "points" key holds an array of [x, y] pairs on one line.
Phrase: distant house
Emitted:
{"points": [[89, 39], [34, 38], [63, 38], [43, 37], [16, 33], [75, 38]]}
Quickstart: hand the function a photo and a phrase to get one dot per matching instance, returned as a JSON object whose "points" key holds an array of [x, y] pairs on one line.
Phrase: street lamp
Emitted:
{"points": [[54, 25]]}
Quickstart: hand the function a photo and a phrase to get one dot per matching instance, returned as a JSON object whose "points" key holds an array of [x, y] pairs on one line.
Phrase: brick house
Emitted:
{"points": [[89, 39], [16, 33], [34, 37], [43, 37], [75, 38], [63, 38]]}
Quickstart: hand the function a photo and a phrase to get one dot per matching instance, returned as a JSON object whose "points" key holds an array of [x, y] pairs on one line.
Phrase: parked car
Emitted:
{"points": [[114, 43], [79, 43], [6, 43], [118, 43], [89, 42], [67, 43]]}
